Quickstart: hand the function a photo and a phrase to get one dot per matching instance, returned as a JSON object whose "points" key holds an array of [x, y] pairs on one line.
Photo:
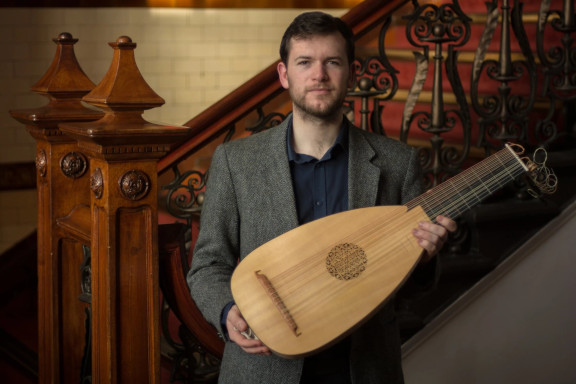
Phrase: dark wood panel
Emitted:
{"points": [[71, 311]]}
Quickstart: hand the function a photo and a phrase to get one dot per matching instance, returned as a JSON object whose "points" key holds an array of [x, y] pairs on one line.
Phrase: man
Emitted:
{"points": [[314, 164]]}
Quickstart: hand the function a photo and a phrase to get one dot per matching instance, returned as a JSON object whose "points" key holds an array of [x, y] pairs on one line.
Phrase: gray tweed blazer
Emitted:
{"points": [[250, 200]]}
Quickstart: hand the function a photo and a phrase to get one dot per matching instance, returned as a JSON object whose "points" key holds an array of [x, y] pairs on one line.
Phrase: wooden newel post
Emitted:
{"points": [[61, 179], [123, 149]]}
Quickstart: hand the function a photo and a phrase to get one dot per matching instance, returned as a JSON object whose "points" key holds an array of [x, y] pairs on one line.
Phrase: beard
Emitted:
{"points": [[323, 108]]}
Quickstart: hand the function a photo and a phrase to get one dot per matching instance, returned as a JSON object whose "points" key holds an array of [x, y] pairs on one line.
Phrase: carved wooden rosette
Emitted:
{"points": [[73, 165], [41, 163], [134, 184], [123, 150], [97, 183]]}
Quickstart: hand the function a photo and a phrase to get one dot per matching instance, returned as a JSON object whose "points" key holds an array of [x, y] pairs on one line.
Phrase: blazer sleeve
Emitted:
{"points": [[217, 248]]}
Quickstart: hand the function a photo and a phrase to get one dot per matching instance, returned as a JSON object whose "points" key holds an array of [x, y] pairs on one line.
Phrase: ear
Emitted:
{"points": [[283, 74]]}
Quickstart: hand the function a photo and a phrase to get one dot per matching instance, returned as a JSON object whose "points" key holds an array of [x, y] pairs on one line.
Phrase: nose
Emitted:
{"points": [[320, 73]]}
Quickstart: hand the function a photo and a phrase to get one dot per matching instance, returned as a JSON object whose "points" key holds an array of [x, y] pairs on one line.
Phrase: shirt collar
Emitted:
{"points": [[341, 143]]}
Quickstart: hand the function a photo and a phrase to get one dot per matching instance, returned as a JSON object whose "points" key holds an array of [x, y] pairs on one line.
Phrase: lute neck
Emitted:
{"points": [[470, 187]]}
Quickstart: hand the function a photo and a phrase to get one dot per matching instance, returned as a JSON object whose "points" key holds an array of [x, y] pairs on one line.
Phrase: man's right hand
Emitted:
{"points": [[236, 325]]}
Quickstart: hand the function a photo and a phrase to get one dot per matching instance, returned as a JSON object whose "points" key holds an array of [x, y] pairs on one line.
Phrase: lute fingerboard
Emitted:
{"points": [[470, 187]]}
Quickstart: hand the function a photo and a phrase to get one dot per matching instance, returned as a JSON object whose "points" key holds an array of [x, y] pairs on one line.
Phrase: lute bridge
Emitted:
{"points": [[278, 302]]}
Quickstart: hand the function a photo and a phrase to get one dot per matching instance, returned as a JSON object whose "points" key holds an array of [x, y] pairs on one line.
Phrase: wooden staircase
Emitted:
{"points": [[190, 347]]}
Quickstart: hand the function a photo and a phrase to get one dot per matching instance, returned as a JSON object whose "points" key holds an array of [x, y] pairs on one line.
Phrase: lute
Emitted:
{"points": [[313, 285]]}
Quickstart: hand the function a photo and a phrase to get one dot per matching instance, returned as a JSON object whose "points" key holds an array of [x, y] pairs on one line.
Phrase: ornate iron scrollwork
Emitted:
{"points": [[559, 63], [185, 193], [504, 117], [265, 122], [191, 362], [374, 78], [437, 26]]}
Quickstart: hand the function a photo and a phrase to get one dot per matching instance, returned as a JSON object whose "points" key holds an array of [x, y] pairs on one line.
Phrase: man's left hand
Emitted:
{"points": [[431, 237]]}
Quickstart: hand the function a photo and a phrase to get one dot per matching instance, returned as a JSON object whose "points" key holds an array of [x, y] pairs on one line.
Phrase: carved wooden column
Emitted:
{"points": [[62, 183], [123, 150]]}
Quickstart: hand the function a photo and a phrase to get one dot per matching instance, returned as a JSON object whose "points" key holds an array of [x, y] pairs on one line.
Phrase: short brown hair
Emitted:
{"points": [[313, 24]]}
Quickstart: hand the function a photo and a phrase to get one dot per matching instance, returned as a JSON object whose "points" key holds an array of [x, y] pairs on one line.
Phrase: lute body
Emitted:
{"points": [[308, 288], [314, 288]]}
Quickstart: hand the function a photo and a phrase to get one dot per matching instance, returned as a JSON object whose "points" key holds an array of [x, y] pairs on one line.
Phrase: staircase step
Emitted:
{"points": [[18, 363]]}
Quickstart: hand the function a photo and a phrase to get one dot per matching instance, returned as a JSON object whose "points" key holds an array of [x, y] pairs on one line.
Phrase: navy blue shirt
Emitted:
{"points": [[321, 189], [320, 185]]}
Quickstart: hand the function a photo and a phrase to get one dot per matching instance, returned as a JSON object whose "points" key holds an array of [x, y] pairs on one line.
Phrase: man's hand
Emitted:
{"points": [[432, 236], [236, 325]]}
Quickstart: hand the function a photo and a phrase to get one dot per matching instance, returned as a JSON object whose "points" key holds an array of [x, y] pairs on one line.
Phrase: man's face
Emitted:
{"points": [[317, 75]]}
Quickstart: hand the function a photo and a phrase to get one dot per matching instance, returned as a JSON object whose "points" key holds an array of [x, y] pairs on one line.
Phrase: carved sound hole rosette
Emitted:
{"points": [[346, 261], [134, 184], [73, 165]]}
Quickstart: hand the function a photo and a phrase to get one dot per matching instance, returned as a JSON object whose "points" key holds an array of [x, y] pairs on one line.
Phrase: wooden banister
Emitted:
{"points": [[263, 87], [98, 307], [123, 149], [61, 175]]}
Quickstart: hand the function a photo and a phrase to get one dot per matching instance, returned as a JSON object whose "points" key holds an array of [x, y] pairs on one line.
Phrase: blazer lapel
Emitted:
{"points": [[363, 176], [278, 174]]}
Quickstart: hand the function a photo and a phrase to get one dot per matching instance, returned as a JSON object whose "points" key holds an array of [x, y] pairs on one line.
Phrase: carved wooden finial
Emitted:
{"points": [[123, 95], [64, 83], [64, 78], [123, 88]]}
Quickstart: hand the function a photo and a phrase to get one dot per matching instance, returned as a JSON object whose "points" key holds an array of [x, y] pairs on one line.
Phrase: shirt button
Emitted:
{"points": [[318, 203]]}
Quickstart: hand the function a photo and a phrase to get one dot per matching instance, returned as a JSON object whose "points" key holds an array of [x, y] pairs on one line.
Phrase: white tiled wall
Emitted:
{"points": [[190, 57]]}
